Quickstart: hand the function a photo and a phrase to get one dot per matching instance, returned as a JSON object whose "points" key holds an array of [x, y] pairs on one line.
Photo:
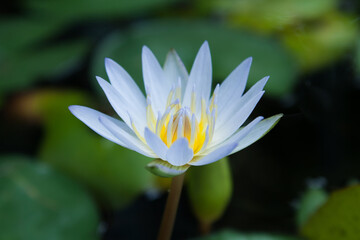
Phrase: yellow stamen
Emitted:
{"points": [[181, 122]]}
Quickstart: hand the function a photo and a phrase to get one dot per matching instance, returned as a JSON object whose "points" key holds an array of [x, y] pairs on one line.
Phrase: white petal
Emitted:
{"points": [[154, 79], [123, 106], [116, 101], [91, 118], [234, 85], [238, 136], [179, 153], [125, 135], [124, 84], [227, 111], [244, 131], [236, 120], [200, 77], [155, 143], [258, 132], [215, 155], [175, 69]]}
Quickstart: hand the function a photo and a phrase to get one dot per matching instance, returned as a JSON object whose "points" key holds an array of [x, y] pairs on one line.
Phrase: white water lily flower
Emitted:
{"points": [[178, 122]]}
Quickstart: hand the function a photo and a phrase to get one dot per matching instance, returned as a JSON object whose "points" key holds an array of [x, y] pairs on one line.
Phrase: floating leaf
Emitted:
{"points": [[19, 33], [228, 48], [319, 44], [115, 174], [232, 235], [338, 218], [67, 10], [270, 15], [316, 32], [311, 200], [39, 203], [357, 56], [19, 70]]}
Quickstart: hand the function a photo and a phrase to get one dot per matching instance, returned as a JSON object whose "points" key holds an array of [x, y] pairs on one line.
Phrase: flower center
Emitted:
{"points": [[183, 122]]}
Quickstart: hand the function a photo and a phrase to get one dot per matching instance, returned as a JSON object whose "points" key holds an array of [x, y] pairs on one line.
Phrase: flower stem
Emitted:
{"points": [[171, 207]]}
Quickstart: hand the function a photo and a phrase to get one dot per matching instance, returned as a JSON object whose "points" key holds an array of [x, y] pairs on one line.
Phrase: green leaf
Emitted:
{"points": [[21, 69], [68, 10], [209, 190], [357, 56], [115, 174], [233, 235], [272, 15], [310, 202], [316, 46], [39, 203], [338, 218], [316, 32], [19, 33], [229, 47]]}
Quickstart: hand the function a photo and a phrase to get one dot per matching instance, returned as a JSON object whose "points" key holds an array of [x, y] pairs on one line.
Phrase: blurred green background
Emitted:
{"points": [[59, 180]]}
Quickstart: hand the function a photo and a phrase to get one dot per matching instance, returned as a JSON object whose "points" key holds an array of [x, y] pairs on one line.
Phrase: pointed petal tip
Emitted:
{"points": [[101, 81], [145, 53], [109, 62], [276, 117], [260, 118], [249, 60], [205, 43], [72, 108], [145, 49], [75, 109], [171, 53], [205, 46]]}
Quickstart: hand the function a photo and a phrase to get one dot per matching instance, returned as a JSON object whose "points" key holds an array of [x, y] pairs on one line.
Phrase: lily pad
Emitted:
{"points": [[318, 45], [338, 218], [115, 174], [311, 200], [40, 203], [67, 10], [233, 235], [20, 69], [272, 15]]}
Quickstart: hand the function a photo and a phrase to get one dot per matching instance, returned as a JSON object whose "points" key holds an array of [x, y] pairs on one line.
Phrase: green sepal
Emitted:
{"points": [[164, 169]]}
